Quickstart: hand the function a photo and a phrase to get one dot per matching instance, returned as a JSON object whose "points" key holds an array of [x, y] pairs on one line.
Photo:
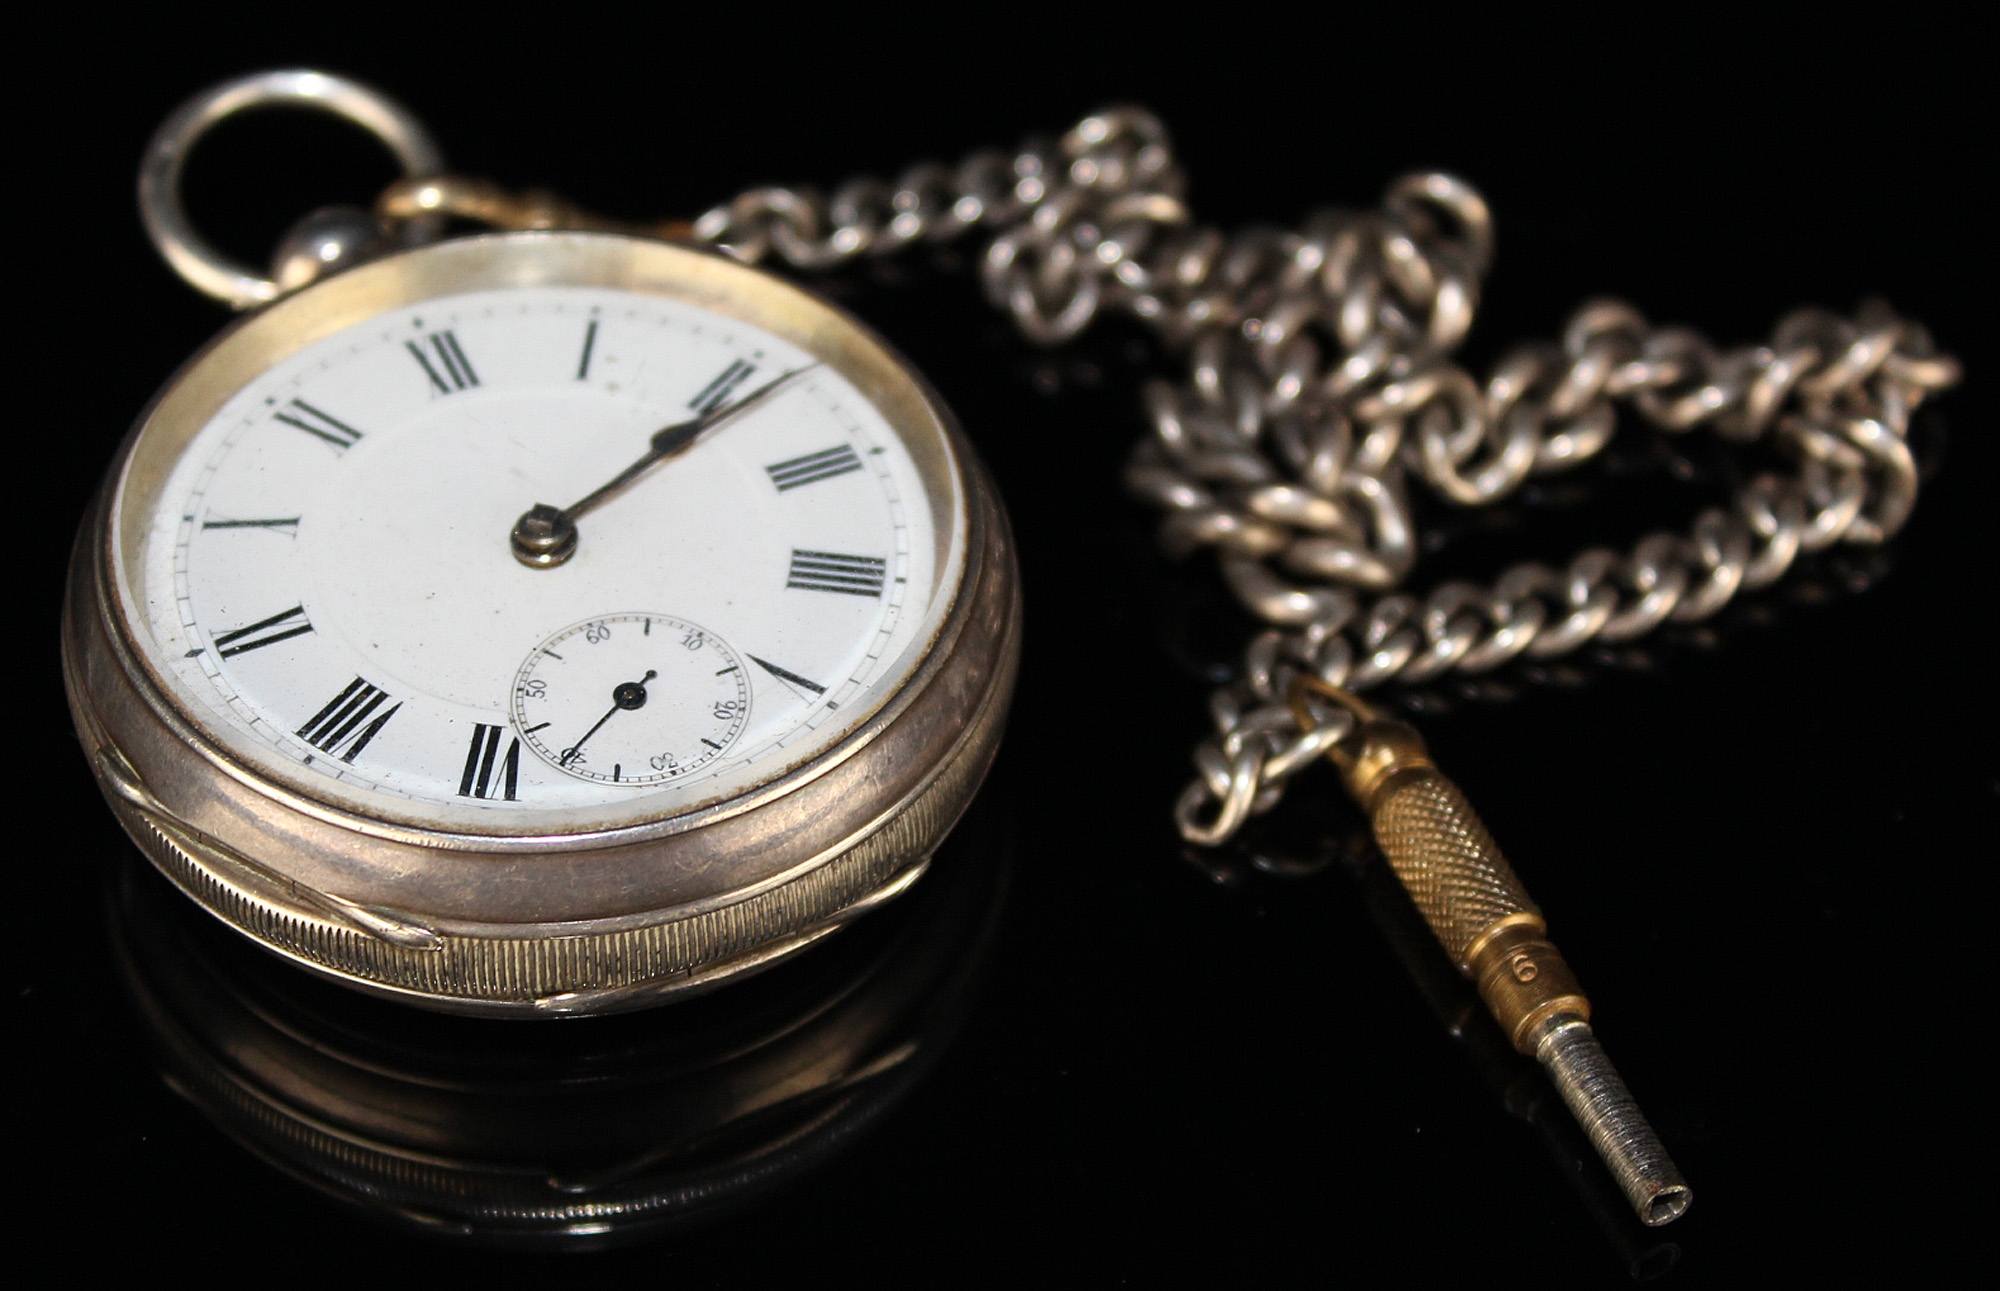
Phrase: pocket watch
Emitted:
{"points": [[358, 673], [536, 622]]}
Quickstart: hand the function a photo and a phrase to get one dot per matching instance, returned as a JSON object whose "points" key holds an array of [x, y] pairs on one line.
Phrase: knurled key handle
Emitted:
{"points": [[1475, 905]]}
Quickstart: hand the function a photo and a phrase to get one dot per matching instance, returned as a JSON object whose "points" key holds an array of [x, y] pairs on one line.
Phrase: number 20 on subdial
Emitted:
{"points": [[632, 699]]}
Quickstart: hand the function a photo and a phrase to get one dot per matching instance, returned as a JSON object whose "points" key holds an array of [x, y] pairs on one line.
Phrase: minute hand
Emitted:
{"points": [[672, 441], [546, 536]]}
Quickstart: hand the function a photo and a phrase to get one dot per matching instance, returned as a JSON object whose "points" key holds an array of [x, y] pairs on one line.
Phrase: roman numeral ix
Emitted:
{"points": [[344, 727], [279, 627], [303, 416], [478, 780], [813, 467], [446, 365], [827, 571]]}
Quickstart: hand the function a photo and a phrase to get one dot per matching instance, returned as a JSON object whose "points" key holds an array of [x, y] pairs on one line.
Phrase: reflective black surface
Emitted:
{"points": [[599, 1133], [1766, 846]]}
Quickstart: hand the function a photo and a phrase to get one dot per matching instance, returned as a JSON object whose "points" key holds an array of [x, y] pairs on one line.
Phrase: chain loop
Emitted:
{"points": [[1321, 381]]}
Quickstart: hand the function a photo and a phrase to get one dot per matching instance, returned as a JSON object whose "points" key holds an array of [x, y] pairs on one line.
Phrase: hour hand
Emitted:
{"points": [[545, 536]]}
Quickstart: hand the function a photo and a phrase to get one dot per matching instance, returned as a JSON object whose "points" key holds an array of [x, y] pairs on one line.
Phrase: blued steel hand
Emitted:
{"points": [[545, 536], [625, 695]]}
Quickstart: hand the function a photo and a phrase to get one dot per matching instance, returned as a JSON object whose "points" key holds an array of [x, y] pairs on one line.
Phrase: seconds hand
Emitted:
{"points": [[545, 536], [625, 695]]}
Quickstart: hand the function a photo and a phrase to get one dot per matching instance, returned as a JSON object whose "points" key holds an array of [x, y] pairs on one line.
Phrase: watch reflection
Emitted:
{"points": [[571, 1134]]}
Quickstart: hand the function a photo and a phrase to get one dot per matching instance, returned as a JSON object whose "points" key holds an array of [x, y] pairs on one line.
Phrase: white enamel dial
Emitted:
{"points": [[326, 569]]}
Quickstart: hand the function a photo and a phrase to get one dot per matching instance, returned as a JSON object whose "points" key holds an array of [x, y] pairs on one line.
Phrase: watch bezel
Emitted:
{"points": [[245, 351]]}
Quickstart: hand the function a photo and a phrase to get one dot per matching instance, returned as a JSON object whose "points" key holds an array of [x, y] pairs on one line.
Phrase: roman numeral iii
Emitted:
{"points": [[478, 780], [827, 571], [443, 360], [349, 721], [813, 467], [303, 416]]}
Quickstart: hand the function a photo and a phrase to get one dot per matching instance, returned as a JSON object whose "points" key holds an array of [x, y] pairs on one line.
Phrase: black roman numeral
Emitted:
{"points": [[303, 416], [446, 365], [343, 728], [279, 627], [787, 675], [288, 526], [813, 467], [827, 571], [589, 343], [477, 780], [726, 381]]}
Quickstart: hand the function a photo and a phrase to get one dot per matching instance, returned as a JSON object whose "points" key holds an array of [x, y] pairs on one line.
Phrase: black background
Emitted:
{"points": [[1766, 848]]}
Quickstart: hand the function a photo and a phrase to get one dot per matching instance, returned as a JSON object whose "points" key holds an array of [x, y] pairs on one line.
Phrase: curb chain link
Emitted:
{"points": [[1321, 379]]}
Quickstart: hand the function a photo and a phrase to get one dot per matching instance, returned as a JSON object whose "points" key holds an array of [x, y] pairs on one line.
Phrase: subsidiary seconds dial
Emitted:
{"points": [[636, 699]]}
